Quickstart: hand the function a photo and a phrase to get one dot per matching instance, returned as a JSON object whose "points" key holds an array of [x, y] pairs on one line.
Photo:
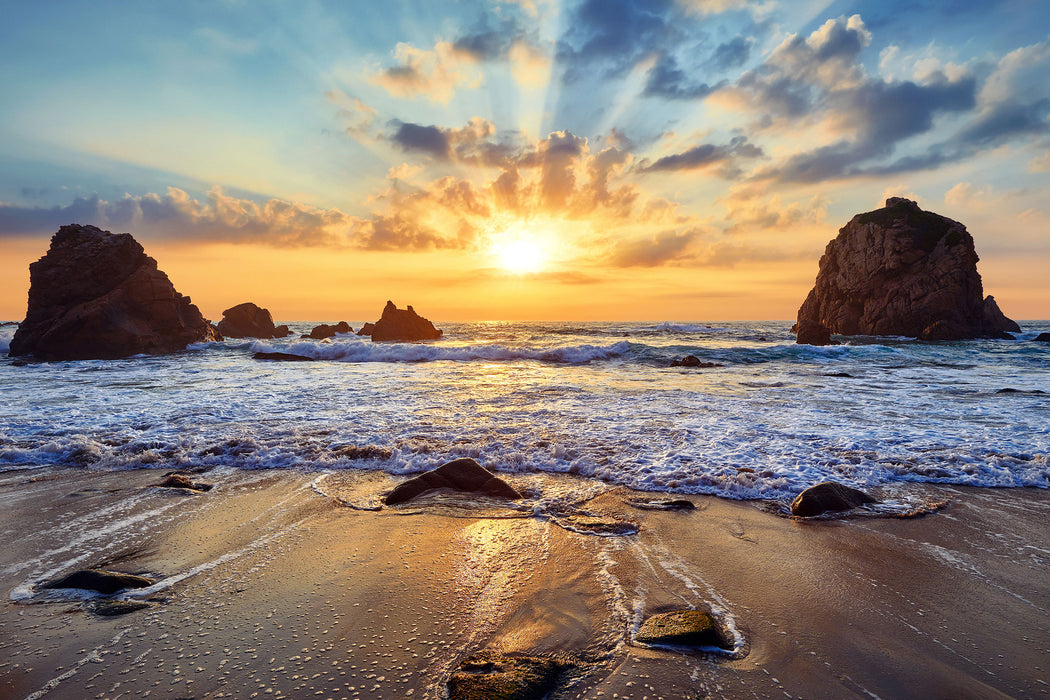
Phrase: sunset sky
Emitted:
{"points": [[529, 159]]}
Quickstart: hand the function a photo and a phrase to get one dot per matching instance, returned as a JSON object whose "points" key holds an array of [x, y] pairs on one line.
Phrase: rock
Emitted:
{"points": [[694, 361], [900, 270], [828, 496], [113, 608], [281, 357], [488, 676], [367, 329], [105, 582], [664, 504], [325, 331], [250, 321], [460, 475], [403, 326], [1042, 338], [692, 628], [179, 481], [812, 333], [597, 525], [1009, 390], [97, 295]]}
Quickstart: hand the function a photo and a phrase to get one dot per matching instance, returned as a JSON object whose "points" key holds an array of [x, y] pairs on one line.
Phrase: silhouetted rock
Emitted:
{"points": [[464, 475], [97, 295], [692, 628], [325, 331], [250, 321], [812, 333], [403, 326], [1042, 338], [828, 496], [367, 329], [105, 582], [281, 357], [694, 361], [900, 270], [489, 676], [180, 481]]}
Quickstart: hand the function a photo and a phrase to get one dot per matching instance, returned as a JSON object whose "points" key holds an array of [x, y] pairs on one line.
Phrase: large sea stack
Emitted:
{"points": [[404, 326], [900, 270], [97, 295]]}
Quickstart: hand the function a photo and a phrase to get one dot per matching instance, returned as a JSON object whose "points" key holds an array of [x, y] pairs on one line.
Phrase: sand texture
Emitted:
{"points": [[299, 585]]}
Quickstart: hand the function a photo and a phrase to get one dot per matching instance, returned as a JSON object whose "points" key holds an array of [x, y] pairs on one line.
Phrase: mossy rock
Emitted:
{"points": [[926, 227], [512, 677], [687, 628]]}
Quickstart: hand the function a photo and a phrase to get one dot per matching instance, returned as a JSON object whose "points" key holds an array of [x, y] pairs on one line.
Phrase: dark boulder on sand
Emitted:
{"points": [[105, 582], [403, 326], [463, 475], [488, 676], [694, 361], [828, 496], [326, 331], [180, 481], [693, 628], [900, 270], [96, 295], [250, 321]]}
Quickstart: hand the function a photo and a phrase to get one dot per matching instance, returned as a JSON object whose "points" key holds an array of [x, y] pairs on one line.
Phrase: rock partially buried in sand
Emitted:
{"points": [[178, 481], [511, 677], [687, 628], [113, 608], [694, 361], [597, 525], [250, 321], [105, 582], [828, 496], [459, 475], [403, 326], [281, 357], [664, 504]]}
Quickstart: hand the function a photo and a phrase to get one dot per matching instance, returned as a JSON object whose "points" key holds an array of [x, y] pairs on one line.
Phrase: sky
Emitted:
{"points": [[525, 159]]}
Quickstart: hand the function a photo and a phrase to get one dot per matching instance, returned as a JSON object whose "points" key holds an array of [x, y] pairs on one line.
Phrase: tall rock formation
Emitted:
{"points": [[900, 270], [97, 295], [403, 326]]}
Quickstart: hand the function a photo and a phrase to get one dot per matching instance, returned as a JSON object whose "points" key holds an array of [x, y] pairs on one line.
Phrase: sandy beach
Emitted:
{"points": [[283, 584]]}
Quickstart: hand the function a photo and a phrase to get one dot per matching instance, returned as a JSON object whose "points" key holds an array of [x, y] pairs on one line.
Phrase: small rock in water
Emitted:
{"points": [[828, 496], [459, 475], [113, 608], [178, 481], [105, 582], [692, 628], [813, 333], [511, 677], [281, 357], [694, 361], [1042, 338], [1010, 390], [403, 326]]}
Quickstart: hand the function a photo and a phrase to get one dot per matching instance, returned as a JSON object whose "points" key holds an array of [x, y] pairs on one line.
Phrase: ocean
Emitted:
{"points": [[598, 400]]}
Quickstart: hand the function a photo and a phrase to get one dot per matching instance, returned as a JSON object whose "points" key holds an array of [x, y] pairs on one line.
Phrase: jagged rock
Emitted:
{"points": [[97, 295], [460, 475], [250, 321], [105, 582], [281, 357], [489, 676], [694, 361], [828, 496], [693, 628], [179, 481], [1042, 338], [325, 331], [900, 270], [813, 333], [403, 326], [367, 329]]}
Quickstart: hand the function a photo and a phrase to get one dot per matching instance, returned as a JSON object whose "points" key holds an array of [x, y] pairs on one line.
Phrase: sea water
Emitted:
{"points": [[594, 399]]}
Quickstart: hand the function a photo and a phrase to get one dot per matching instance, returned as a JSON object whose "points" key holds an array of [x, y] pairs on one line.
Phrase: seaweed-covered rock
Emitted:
{"points": [[250, 321], [828, 496], [97, 295], [692, 628], [105, 582], [511, 677], [464, 475], [900, 270], [403, 326]]}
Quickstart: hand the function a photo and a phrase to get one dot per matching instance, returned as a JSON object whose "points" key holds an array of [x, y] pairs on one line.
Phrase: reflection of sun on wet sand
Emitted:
{"points": [[270, 584]]}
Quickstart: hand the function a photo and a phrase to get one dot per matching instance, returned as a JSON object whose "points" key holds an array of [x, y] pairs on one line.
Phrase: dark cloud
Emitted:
{"points": [[608, 37], [668, 81], [1009, 120], [705, 155], [422, 139], [493, 39], [732, 54]]}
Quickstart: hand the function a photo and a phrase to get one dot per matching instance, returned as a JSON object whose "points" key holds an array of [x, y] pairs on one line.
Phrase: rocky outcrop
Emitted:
{"points": [[828, 496], [367, 329], [693, 628], [326, 331], [97, 295], [250, 321], [403, 326], [900, 270], [105, 582], [464, 475]]}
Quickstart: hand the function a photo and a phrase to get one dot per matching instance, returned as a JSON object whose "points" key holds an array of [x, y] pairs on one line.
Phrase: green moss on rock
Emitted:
{"points": [[926, 228]]}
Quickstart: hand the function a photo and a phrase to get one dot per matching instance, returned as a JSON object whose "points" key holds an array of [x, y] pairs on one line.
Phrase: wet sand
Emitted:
{"points": [[278, 584]]}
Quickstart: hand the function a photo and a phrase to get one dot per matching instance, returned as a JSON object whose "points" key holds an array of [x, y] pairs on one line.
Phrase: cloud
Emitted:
{"points": [[750, 209], [606, 38], [670, 82], [661, 249], [706, 155], [435, 74], [733, 53]]}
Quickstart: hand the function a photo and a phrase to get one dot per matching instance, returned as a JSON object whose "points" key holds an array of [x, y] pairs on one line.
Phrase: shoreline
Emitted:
{"points": [[269, 584]]}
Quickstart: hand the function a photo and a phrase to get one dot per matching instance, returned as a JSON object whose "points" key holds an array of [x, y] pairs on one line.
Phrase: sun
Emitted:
{"points": [[520, 256]]}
